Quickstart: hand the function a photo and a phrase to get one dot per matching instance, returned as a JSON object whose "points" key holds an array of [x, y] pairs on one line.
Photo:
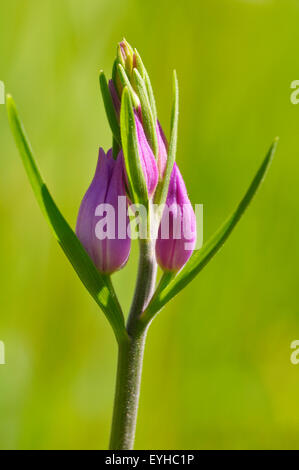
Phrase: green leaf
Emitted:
{"points": [[109, 107], [99, 286], [200, 258], [143, 72], [126, 84], [136, 181], [115, 148], [147, 115], [162, 190]]}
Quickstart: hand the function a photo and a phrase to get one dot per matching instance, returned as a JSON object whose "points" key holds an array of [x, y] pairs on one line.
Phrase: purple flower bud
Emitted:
{"points": [[109, 250], [177, 232], [148, 161]]}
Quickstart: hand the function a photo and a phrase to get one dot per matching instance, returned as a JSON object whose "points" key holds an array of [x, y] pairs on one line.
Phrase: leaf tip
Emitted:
{"points": [[102, 80], [9, 101], [10, 108], [275, 143], [272, 150], [126, 95]]}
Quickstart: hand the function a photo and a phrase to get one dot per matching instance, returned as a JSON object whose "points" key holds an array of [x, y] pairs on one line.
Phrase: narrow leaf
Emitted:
{"points": [[109, 107], [201, 258], [143, 72], [126, 84], [99, 286], [162, 189], [147, 115]]}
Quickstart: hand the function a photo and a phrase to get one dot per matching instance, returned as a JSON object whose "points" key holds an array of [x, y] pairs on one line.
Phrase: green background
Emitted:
{"points": [[217, 370]]}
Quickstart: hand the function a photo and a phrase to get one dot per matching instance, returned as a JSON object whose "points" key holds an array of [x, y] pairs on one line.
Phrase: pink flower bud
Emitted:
{"points": [[148, 161], [101, 228], [177, 232]]}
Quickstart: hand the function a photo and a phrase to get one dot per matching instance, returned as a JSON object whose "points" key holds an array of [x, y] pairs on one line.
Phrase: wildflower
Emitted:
{"points": [[177, 232], [109, 252]]}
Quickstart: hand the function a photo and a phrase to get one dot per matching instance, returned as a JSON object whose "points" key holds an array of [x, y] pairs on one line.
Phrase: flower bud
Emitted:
{"points": [[109, 250], [177, 232], [148, 161], [122, 74], [148, 129], [125, 55]]}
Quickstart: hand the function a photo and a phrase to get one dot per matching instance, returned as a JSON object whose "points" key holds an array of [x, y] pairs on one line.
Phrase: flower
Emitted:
{"points": [[177, 232], [124, 66], [148, 161], [147, 158], [106, 239]]}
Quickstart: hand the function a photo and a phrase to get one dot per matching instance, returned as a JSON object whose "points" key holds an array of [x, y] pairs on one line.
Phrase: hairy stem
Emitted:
{"points": [[129, 368], [130, 355], [145, 285]]}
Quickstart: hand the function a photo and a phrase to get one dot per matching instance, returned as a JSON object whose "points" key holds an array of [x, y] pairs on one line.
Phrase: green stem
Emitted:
{"points": [[148, 314], [130, 355], [145, 285], [129, 368]]}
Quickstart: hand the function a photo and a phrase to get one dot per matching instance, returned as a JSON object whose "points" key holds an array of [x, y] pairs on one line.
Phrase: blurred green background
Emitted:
{"points": [[217, 372]]}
